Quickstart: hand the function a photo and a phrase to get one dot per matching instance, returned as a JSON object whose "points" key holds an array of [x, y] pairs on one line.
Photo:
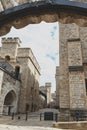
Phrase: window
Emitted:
{"points": [[7, 58], [17, 71]]}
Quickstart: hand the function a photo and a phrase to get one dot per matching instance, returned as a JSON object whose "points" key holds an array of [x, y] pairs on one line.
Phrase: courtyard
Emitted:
{"points": [[33, 121]]}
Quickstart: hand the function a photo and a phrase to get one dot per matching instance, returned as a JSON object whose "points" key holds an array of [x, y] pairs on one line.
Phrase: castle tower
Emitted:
{"points": [[48, 91], [9, 48]]}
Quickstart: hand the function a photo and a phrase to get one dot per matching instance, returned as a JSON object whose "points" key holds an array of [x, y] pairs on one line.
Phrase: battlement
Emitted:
{"points": [[11, 40], [27, 52]]}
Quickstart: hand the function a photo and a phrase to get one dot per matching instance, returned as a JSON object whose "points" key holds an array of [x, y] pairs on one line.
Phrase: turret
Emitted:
{"points": [[13, 44]]}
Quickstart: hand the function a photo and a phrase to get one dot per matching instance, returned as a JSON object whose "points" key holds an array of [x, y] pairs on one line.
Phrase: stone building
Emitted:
{"points": [[53, 100], [46, 92], [71, 75], [19, 74]]}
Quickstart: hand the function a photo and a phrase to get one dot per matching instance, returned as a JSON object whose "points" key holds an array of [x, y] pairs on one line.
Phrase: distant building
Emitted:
{"points": [[47, 91], [19, 78], [53, 100]]}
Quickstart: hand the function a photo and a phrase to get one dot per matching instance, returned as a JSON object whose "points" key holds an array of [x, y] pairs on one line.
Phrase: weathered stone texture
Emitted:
{"points": [[77, 90], [9, 3], [1, 7], [85, 70], [66, 32], [74, 53], [63, 17], [29, 70], [27, 53], [83, 38], [9, 84]]}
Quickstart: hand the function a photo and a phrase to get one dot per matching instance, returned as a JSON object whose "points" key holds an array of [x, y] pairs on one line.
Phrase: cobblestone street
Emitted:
{"points": [[32, 123]]}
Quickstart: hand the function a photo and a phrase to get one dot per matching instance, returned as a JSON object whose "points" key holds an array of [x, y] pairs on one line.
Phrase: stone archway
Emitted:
{"points": [[20, 14], [51, 11], [9, 103]]}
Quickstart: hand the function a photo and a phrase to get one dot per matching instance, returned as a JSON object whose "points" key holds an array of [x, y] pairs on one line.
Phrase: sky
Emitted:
{"points": [[43, 39]]}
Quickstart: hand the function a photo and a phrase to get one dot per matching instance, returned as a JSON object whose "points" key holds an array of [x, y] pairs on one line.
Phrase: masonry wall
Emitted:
{"points": [[66, 32], [9, 84], [73, 66], [30, 80], [29, 72]]}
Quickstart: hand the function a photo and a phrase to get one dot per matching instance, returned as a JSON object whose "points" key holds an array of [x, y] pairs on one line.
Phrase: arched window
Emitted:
{"points": [[7, 58], [17, 71]]}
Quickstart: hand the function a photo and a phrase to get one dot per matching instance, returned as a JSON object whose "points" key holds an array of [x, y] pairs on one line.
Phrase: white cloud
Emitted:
{"points": [[43, 40]]}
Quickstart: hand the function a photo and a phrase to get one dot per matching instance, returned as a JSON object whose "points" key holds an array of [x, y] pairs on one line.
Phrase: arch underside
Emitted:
{"points": [[48, 11], [10, 98]]}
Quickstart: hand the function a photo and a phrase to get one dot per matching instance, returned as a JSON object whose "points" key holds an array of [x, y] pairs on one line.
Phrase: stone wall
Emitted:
{"points": [[27, 53], [29, 90], [9, 84], [77, 90], [66, 32], [29, 71], [74, 53], [73, 66]]}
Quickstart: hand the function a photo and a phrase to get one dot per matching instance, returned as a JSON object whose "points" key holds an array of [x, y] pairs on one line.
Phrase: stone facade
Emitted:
{"points": [[25, 71], [72, 70], [47, 91]]}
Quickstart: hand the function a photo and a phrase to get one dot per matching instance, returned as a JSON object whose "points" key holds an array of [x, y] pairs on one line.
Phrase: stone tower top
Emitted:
{"points": [[48, 84], [13, 44], [11, 40]]}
